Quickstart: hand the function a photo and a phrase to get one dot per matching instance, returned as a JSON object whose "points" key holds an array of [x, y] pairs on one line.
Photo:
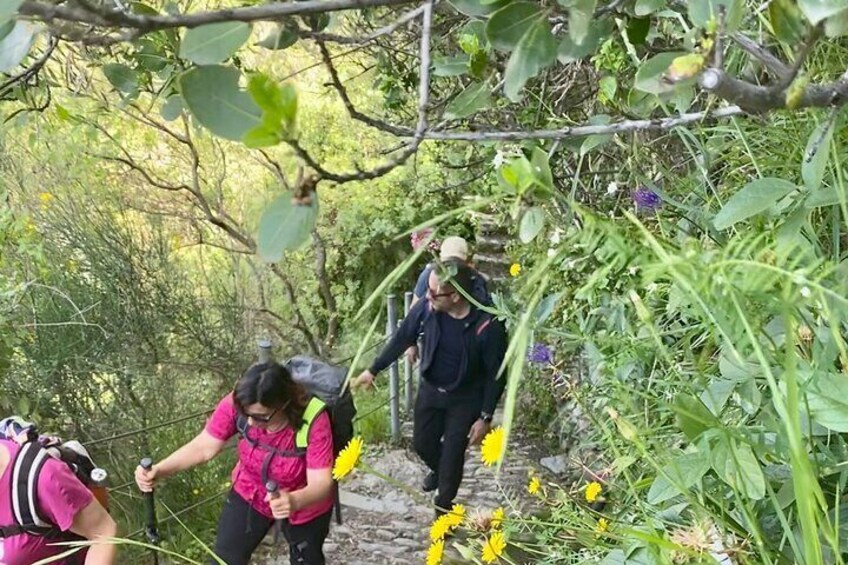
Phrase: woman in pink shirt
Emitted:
{"points": [[273, 406], [62, 501]]}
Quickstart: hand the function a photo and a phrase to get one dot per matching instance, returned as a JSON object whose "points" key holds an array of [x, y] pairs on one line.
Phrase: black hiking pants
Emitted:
{"points": [[241, 529], [440, 434]]}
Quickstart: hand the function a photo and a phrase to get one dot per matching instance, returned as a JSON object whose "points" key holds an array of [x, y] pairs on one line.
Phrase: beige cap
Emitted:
{"points": [[454, 247]]}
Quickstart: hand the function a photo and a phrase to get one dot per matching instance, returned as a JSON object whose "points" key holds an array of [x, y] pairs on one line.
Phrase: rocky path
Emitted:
{"points": [[383, 524]]}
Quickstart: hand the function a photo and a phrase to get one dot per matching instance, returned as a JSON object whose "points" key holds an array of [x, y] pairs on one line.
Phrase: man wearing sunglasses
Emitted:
{"points": [[462, 349]]}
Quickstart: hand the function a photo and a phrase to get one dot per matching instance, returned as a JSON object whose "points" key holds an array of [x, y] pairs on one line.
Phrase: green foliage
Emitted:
{"points": [[285, 225], [213, 96], [213, 43]]}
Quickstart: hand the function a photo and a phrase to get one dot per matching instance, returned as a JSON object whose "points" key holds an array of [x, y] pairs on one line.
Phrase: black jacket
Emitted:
{"points": [[482, 357]]}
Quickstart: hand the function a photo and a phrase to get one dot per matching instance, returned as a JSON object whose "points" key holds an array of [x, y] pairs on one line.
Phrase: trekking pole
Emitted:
{"points": [[151, 529], [273, 489]]}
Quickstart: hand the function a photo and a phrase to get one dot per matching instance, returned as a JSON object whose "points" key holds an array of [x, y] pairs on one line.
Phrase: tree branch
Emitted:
{"points": [[756, 98], [115, 19], [344, 40], [761, 54], [324, 288]]}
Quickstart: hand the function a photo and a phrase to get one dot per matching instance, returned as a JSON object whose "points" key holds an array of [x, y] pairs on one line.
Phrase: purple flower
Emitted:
{"points": [[646, 199], [541, 354], [417, 238]]}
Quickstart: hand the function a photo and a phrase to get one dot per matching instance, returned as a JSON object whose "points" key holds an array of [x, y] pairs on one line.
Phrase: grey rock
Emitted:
{"points": [[557, 464]]}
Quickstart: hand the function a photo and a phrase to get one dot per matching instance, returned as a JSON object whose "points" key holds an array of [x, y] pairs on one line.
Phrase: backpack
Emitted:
{"points": [[26, 467], [324, 384]]}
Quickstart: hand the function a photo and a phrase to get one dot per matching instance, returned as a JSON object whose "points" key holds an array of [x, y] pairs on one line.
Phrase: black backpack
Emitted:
{"points": [[324, 383]]}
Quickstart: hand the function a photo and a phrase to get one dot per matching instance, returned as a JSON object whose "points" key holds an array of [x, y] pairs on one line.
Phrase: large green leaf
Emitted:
{"points": [[717, 394], [284, 226], [476, 7], [645, 7], [15, 46], [755, 197], [818, 10], [828, 401], [736, 464], [509, 25], [213, 96], [787, 21], [123, 78], [536, 50], [9, 8], [569, 51], [815, 155], [172, 108], [475, 97], [825, 197], [451, 66], [279, 111], [701, 12], [580, 16], [684, 471], [649, 76], [280, 38], [213, 43], [532, 223], [693, 418]]}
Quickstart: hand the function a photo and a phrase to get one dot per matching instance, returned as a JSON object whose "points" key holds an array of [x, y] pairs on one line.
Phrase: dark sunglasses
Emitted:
{"points": [[432, 294], [261, 419]]}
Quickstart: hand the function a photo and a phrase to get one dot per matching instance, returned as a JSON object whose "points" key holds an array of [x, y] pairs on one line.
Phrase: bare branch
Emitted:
{"points": [[761, 54], [106, 18], [324, 288], [801, 56], [583, 131], [755, 98], [344, 40]]}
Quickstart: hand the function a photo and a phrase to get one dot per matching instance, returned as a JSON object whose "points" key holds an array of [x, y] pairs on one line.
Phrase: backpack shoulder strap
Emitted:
{"points": [[313, 409], [25, 472], [485, 323]]}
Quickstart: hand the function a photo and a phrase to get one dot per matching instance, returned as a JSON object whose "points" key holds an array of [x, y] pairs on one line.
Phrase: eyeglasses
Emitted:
{"points": [[261, 419], [433, 294]]}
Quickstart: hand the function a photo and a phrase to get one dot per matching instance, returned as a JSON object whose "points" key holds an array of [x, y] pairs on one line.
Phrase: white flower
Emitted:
{"points": [[612, 188], [633, 270], [556, 236], [499, 159], [552, 251], [651, 287], [805, 292]]}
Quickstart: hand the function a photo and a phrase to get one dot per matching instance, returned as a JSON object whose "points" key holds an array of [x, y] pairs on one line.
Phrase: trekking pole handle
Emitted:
{"points": [[273, 489], [151, 530]]}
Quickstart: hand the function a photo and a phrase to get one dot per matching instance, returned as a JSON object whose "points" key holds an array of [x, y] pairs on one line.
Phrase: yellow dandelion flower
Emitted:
{"points": [[455, 516], [347, 459], [534, 486], [435, 552], [493, 446], [440, 527], [493, 547], [602, 526], [45, 197], [515, 269], [593, 489], [498, 516]]}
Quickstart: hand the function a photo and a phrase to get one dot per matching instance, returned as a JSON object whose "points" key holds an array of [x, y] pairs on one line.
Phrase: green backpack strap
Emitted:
{"points": [[315, 407]]}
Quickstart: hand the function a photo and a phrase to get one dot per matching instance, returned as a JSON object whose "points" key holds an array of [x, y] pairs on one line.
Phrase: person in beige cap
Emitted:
{"points": [[452, 248]]}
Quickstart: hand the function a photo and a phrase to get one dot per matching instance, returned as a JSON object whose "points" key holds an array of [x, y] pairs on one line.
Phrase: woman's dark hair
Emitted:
{"points": [[271, 385]]}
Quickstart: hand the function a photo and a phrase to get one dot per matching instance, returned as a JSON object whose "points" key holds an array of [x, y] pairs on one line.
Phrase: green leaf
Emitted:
{"points": [[581, 14], [285, 226], [787, 21], [828, 401], [213, 97], [825, 197], [685, 471], [123, 78], [569, 51], [509, 25], [516, 175], [15, 46], [692, 416], [451, 66], [737, 466], [476, 7], [9, 8], [637, 30], [815, 155], [531, 224], [546, 308], [278, 103], [475, 97], [649, 76], [536, 50], [607, 87], [755, 197], [173, 108], [262, 136], [213, 43], [818, 10], [645, 7], [703, 12], [281, 38], [717, 395]]}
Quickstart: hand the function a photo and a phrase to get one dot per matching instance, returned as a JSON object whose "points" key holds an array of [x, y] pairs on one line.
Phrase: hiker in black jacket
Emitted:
{"points": [[462, 349]]}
